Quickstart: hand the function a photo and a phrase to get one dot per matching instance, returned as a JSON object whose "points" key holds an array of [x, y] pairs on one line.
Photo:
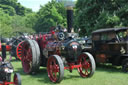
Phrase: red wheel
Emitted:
{"points": [[19, 50], [17, 79], [55, 68], [30, 56], [87, 62]]}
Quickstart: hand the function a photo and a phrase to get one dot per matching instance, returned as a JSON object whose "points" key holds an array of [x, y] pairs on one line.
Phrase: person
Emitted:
{"points": [[125, 36]]}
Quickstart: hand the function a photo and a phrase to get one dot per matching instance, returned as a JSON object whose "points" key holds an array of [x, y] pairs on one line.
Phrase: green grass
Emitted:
{"points": [[104, 75]]}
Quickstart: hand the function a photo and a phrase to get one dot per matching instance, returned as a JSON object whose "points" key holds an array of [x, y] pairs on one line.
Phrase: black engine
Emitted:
{"points": [[5, 71]]}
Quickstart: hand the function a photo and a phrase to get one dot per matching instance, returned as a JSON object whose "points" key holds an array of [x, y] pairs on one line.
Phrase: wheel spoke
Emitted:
{"points": [[55, 75], [24, 50], [86, 72], [54, 61], [27, 57], [15, 81]]}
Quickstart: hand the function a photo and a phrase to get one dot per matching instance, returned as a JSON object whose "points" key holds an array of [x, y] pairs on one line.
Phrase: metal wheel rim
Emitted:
{"points": [[53, 69], [85, 68]]}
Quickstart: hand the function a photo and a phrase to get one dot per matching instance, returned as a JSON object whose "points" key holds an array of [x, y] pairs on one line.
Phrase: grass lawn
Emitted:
{"points": [[104, 75]]}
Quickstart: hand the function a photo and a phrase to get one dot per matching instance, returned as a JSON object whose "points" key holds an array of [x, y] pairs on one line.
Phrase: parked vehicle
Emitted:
{"points": [[6, 70], [111, 46]]}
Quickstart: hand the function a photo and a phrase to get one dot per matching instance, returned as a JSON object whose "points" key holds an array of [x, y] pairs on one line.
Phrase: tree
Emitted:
{"points": [[96, 14], [12, 18], [8, 9], [14, 6], [5, 20], [30, 20], [18, 23], [50, 15]]}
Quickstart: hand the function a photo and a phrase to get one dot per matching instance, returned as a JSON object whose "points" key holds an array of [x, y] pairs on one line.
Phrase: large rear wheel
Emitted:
{"points": [[30, 56], [87, 62], [55, 68]]}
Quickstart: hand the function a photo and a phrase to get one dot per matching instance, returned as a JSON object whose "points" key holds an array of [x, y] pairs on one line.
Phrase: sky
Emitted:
{"points": [[33, 4]]}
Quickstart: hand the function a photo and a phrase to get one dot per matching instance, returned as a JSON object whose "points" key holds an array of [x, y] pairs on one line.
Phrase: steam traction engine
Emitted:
{"points": [[56, 50], [15, 41], [6, 68]]}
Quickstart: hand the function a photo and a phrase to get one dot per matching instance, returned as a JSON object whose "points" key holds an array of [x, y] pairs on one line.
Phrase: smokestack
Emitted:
{"points": [[69, 18]]}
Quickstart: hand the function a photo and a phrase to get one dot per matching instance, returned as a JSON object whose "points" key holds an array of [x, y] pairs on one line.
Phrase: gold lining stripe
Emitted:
{"points": [[69, 8], [3, 43]]}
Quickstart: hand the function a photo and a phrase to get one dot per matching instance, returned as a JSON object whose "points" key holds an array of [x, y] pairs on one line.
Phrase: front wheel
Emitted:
{"points": [[87, 63], [55, 68], [17, 79], [8, 77], [125, 65]]}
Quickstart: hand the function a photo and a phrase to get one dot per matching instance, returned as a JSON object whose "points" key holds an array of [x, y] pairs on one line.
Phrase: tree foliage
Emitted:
{"points": [[50, 15], [12, 7], [18, 23], [5, 21], [30, 20], [14, 17], [10, 24], [96, 14], [8, 9]]}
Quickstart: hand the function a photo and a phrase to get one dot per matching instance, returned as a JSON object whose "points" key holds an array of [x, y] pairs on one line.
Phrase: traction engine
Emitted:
{"points": [[56, 50], [6, 68]]}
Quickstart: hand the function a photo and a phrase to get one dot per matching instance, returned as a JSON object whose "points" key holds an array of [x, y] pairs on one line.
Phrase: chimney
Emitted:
{"points": [[69, 18]]}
